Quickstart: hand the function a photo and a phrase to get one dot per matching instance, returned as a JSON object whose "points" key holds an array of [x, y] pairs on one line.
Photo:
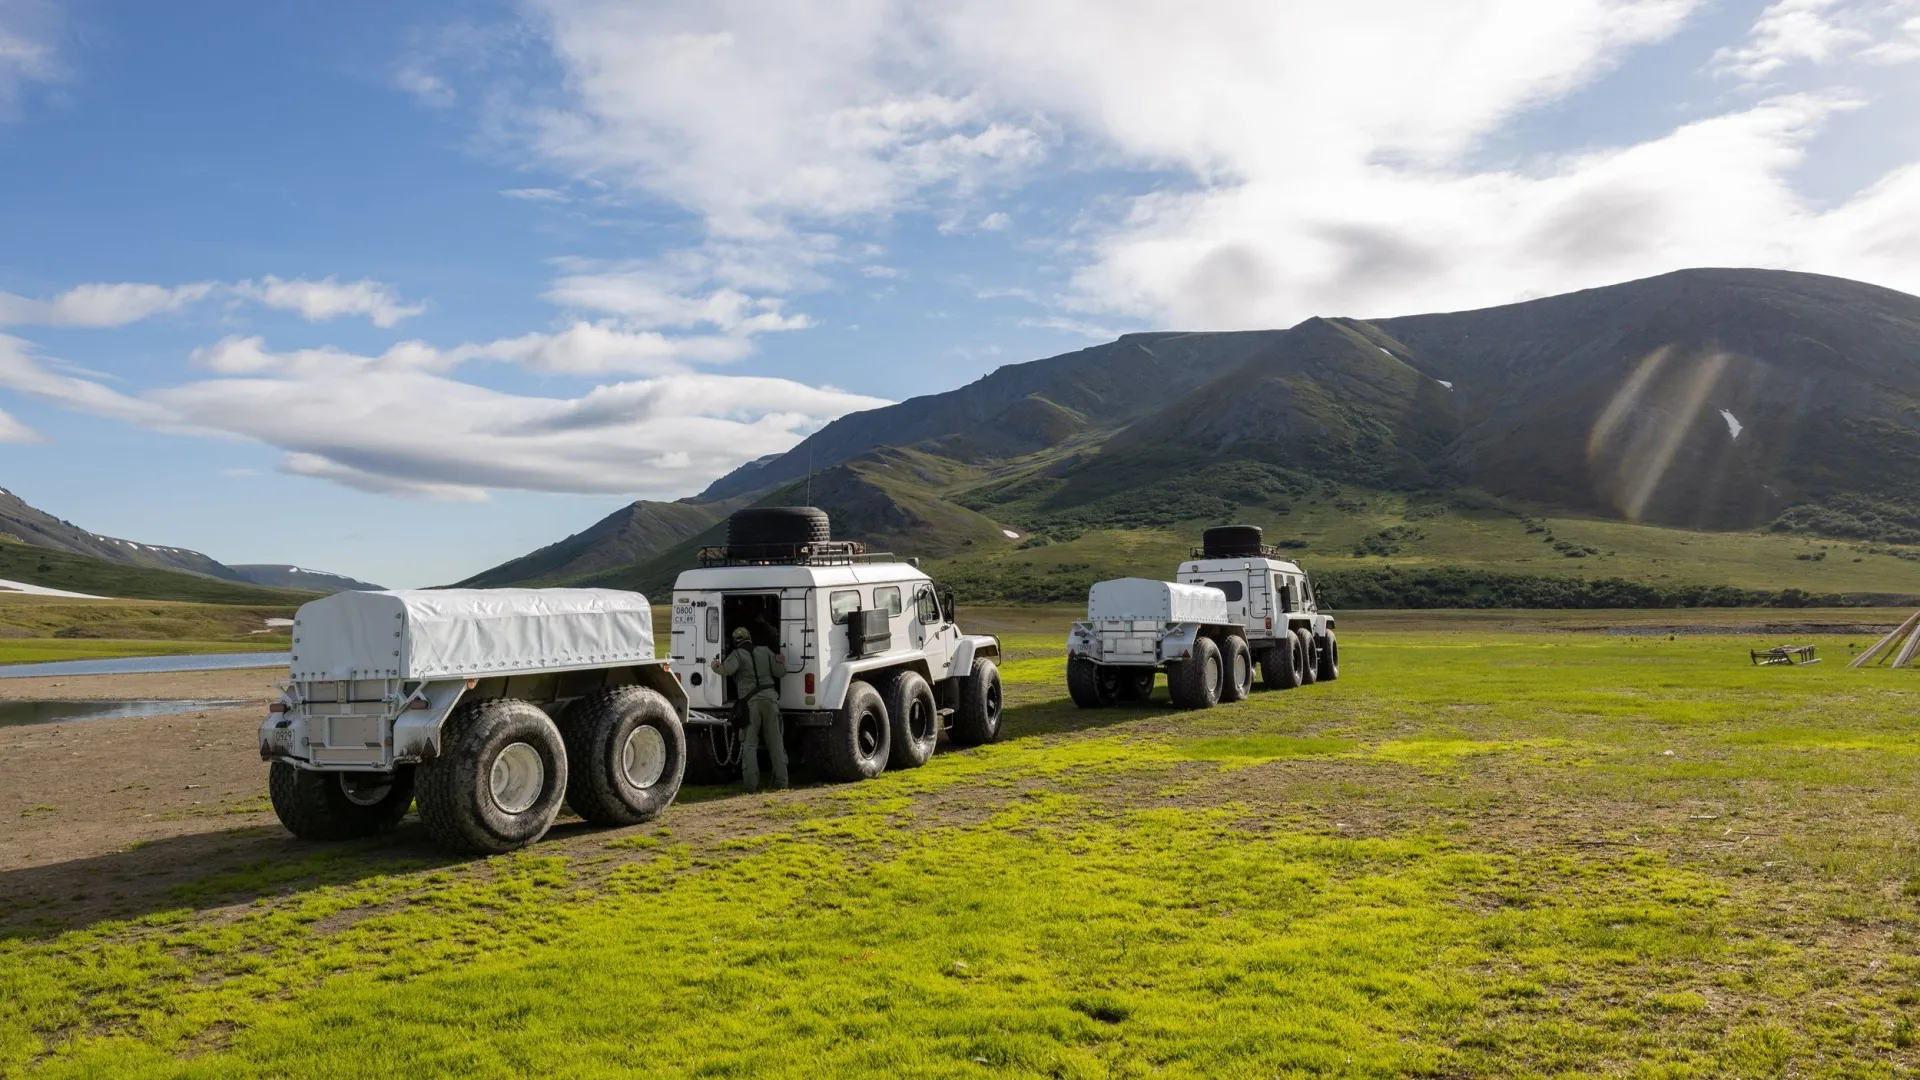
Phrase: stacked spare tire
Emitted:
{"points": [[772, 533]]}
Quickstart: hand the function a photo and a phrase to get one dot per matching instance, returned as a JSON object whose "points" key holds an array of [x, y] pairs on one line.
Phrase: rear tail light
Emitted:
{"points": [[1269, 622], [809, 682], [278, 706]]}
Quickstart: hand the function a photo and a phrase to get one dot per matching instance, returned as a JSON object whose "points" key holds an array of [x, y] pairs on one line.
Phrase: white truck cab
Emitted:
{"points": [[876, 666]]}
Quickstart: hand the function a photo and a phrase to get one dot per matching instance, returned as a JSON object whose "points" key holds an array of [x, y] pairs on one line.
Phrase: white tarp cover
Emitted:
{"points": [[1166, 601], [449, 633]]}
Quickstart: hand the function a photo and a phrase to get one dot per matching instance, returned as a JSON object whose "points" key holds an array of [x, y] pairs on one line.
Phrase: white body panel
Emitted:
{"points": [[1162, 601], [813, 643], [1256, 588], [447, 633]]}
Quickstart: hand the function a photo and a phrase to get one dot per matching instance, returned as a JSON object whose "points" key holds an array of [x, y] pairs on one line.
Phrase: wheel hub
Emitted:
{"points": [[869, 734], [365, 790], [643, 758], [919, 720], [518, 776]]}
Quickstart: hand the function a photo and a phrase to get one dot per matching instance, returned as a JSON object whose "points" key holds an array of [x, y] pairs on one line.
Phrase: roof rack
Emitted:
{"points": [[818, 553], [1266, 551]]}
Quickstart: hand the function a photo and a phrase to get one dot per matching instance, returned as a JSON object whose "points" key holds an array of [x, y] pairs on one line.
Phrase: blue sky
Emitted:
{"points": [[402, 291]]}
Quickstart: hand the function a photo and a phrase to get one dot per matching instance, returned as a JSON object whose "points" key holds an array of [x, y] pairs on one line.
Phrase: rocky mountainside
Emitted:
{"points": [[281, 576], [1702, 399]]}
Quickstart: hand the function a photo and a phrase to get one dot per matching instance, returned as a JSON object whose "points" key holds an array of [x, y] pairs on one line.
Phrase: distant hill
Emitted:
{"points": [[281, 576], [624, 538], [1781, 405], [36, 528], [99, 577]]}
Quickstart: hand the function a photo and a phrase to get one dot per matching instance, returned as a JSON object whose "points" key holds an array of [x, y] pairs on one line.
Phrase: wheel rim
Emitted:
{"points": [[518, 777], [993, 703], [1242, 670], [868, 734], [1212, 671], [644, 757], [365, 790], [920, 720]]}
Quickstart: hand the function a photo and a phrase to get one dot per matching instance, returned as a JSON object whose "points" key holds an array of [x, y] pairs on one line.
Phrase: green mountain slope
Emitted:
{"points": [[98, 577], [622, 539], [1771, 418]]}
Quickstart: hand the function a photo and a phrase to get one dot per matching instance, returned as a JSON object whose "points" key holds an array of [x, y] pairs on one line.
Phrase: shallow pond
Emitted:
{"points": [[133, 665], [20, 713]]}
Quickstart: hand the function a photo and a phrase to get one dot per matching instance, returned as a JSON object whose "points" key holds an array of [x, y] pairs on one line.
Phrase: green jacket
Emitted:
{"points": [[754, 671]]}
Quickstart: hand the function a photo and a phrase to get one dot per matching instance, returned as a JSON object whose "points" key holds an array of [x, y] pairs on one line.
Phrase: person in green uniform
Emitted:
{"points": [[755, 671]]}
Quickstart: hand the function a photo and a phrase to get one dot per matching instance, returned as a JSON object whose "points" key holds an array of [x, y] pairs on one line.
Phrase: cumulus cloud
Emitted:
{"points": [[1300, 158], [328, 298], [359, 420]]}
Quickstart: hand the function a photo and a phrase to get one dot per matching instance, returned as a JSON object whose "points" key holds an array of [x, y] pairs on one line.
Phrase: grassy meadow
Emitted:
{"points": [[34, 629], [1478, 853]]}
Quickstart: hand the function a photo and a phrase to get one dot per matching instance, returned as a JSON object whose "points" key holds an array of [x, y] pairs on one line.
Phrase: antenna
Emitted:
{"points": [[809, 501]]}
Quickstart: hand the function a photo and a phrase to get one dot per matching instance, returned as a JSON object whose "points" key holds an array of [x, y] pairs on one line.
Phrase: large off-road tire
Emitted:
{"points": [[1135, 684], [1309, 656], [1280, 664], [1330, 659], [915, 718], [1084, 684], [338, 806], [713, 755], [858, 743], [626, 755], [499, 780], [1230, 541], [1194, 683], [1236, 668], [774, 531], [976, 721]]}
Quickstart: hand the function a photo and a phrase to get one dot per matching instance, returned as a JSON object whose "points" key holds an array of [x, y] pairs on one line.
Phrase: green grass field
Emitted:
{"points": [[1477, 854], [38, 651], [1483, 540], [39, 628]]}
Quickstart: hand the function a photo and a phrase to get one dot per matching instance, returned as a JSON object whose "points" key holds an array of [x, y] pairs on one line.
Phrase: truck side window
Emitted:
{"points": [[1306, 592], [1231, 588], [713, 624], [929, 607], [842, 603], [888, 597]]}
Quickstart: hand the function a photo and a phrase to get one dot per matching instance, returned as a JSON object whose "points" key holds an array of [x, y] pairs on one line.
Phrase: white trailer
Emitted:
{"points": [[1136, 627], [487, 706]]}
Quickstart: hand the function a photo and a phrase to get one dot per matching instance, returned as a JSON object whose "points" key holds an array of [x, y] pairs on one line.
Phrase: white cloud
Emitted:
{"points": [[1301, 158], [359, 421], [535, 194], [13, 431], [1791, 31], [429, 88], [995, 221], [328, 298], [28, 29], [118, 304]]}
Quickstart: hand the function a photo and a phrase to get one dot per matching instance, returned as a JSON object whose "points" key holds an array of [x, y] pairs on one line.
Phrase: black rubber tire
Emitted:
{"points": [[1309, 656], [1280, 664], [1330, 659], [1136, 684], [778, 525], [976, 722], [713, 755], [597, 731], [456, 797], [1230, 541], [1236, 668], [338, 806], [915, 717], [1084, 683], [1194, 683], [859, 743]]}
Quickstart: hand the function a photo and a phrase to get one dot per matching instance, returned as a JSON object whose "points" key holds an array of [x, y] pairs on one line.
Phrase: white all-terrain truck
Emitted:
{"points": [[876, 666], [1237, 604], [487, 706]]}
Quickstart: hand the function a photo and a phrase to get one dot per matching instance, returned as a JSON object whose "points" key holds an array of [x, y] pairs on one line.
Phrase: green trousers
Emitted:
{"points": [[763, 722]]}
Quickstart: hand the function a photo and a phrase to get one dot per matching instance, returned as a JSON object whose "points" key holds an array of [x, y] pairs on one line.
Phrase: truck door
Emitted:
{"points": [[696, 644], [932, 631], [801, 647]]}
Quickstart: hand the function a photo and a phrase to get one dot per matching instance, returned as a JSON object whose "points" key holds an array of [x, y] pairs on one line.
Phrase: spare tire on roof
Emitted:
{"points": [[761, 526], [1228, 541]]}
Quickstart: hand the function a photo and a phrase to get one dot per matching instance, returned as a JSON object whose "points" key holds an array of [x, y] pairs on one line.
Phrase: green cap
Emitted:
{"points": [[741, 635]]}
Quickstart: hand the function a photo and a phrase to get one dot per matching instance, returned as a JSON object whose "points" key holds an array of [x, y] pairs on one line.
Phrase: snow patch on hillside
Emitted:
{"points": [[1734, 426]]}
